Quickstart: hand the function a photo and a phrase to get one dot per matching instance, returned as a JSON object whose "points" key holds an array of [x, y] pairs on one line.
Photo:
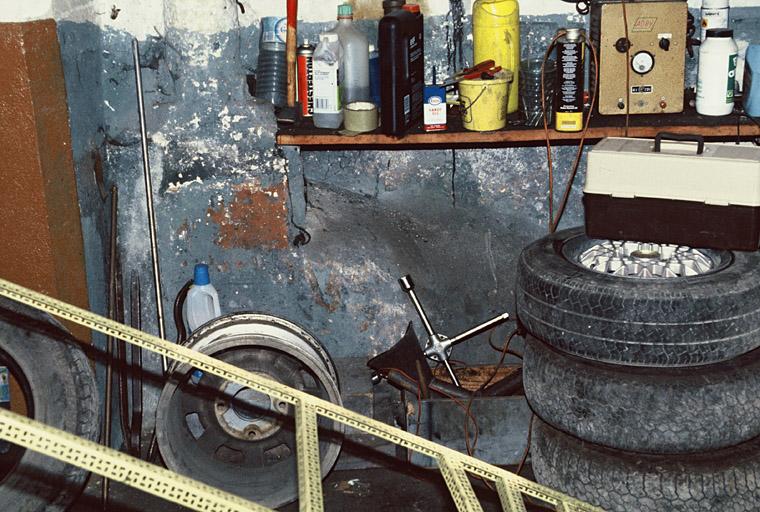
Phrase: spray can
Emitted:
{"points": [[568, 94], [305, 66], [496, 35], [713, 14]]}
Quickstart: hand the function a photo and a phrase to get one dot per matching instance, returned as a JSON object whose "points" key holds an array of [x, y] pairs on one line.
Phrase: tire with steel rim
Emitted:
{"points": [[58, 386], [726, 480], [235, 438], [640, 409], [639, 304]]}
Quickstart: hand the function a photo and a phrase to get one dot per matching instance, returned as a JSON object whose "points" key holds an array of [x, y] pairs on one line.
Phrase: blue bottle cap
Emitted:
{"points": [[200, 276]]}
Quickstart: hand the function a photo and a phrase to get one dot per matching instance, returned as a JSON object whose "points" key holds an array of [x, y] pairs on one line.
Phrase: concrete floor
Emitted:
{"points": [[379, 489]]}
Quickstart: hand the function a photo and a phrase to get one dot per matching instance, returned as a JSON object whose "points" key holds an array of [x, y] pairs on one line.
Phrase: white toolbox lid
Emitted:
{"points": [[724, 174]]}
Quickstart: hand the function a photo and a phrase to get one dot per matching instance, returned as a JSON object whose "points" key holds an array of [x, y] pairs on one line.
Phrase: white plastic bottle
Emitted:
{"points": [[202, 302], [355, 82], [716, 78], [714, 14], [328, 58]]}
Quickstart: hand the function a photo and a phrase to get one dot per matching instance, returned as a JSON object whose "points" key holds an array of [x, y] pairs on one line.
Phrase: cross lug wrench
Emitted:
{"points": [[438, 347]]}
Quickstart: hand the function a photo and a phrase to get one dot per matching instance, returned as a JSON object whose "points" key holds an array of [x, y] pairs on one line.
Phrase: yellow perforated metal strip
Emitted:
{"points": [[454, 465]]}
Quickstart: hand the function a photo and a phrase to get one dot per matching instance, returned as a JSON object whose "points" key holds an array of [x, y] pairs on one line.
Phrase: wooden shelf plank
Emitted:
{"points": [[712, 128]]}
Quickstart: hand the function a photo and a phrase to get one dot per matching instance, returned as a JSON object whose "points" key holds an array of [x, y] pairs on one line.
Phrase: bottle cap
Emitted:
{"points": [[411, 8], [720, 32], [345, 11], [714, 4], [329, 37], [391, 5], [200, 275]]}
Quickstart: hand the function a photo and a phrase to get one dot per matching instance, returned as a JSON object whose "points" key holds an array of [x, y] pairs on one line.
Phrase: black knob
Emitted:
{"points": [[665, 44], [622, 45]]}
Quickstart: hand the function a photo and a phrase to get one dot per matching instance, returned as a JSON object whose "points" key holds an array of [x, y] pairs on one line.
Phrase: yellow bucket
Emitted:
{"points": [[483, 103]]}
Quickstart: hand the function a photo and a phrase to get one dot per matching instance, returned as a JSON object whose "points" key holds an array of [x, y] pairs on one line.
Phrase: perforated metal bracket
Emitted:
{"points": [[117, 466]]}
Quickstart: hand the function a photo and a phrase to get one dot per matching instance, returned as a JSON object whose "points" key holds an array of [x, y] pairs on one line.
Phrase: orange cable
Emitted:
{"points": [[554, 222], [627, 69]]}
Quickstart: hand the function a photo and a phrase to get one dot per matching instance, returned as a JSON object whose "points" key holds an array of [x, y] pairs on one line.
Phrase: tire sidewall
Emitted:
{"points": [[48, 365]]}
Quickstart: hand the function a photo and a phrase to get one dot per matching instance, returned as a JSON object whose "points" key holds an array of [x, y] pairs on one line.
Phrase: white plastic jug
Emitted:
{"points": [[328, 58], [202, 302], [355, 81]]}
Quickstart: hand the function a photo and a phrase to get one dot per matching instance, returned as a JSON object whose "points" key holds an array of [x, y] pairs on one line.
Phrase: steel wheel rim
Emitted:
{"points": [[643, 260], [239, 465]]}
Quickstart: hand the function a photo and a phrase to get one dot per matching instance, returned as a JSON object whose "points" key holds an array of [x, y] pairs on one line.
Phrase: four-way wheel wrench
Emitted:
{"points": [[438, 347]]}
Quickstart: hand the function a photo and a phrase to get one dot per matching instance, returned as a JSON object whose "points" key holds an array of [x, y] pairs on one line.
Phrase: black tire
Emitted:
{"points": [[63, 394], [725, 480], [651, 410], [683, 321]]}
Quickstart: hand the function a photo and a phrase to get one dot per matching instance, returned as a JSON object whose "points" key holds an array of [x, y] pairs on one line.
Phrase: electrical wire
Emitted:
{"points": [[499, 349], [554, 222], [527, 445], [471, 448], [443, 392]]}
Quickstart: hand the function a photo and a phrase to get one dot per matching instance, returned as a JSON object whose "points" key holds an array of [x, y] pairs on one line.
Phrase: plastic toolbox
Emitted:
{"points": [[674, 189]]}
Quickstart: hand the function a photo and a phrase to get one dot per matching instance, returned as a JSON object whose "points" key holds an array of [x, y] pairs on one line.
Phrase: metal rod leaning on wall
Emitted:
{"points": [[149, 198], [110, 341]]}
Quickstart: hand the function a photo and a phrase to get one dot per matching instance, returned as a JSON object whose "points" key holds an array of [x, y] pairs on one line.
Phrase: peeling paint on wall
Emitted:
{"points": [[255, 217]]}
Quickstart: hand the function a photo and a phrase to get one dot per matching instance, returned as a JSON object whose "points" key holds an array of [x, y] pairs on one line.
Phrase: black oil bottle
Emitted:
{"points": [[402, 69]]}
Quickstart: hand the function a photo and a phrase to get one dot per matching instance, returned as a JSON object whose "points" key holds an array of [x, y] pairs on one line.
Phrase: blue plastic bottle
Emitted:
{"points": [[752, 86]]}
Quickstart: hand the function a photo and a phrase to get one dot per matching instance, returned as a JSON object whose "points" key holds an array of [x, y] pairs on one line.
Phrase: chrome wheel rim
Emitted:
{"points": [[643, 260]]}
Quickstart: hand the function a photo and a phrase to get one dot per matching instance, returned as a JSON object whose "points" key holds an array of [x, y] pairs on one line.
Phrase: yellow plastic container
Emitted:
{"points": [[483, 103], [496, 35]]}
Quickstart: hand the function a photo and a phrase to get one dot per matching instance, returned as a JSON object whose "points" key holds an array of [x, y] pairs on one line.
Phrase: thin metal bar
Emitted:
{"points": [[421, 313], [485, 326], [459, 485], [510, 496], [108, 399], [451, 371], [307, 453], [149, 198]]}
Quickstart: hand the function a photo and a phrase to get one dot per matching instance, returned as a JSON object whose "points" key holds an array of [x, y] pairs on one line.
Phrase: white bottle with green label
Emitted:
{"points": [[328, 61], [717, 73]]}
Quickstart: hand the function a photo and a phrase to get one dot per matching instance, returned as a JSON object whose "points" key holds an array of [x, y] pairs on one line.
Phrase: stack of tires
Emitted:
{"points": [[643, 370]]}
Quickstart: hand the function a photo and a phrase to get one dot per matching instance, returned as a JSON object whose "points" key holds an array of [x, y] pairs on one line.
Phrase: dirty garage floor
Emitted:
{"points": [[377, 489]]}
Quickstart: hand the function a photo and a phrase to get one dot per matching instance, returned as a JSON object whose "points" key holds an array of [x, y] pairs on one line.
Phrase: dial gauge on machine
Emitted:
{"points": [[643, 62]]}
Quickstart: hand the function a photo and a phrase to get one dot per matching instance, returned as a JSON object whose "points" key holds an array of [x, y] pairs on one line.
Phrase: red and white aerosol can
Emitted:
{"points": [[305, 66]]}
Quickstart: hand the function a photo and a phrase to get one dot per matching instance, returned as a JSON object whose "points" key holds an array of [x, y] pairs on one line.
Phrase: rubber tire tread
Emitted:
{"points": [[724, 480], [650, 410], [65, 396], [643, 322]]}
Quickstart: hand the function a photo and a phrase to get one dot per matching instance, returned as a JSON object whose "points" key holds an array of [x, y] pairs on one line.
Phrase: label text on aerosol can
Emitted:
{"points": [[568, 96], [305, 67]]}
